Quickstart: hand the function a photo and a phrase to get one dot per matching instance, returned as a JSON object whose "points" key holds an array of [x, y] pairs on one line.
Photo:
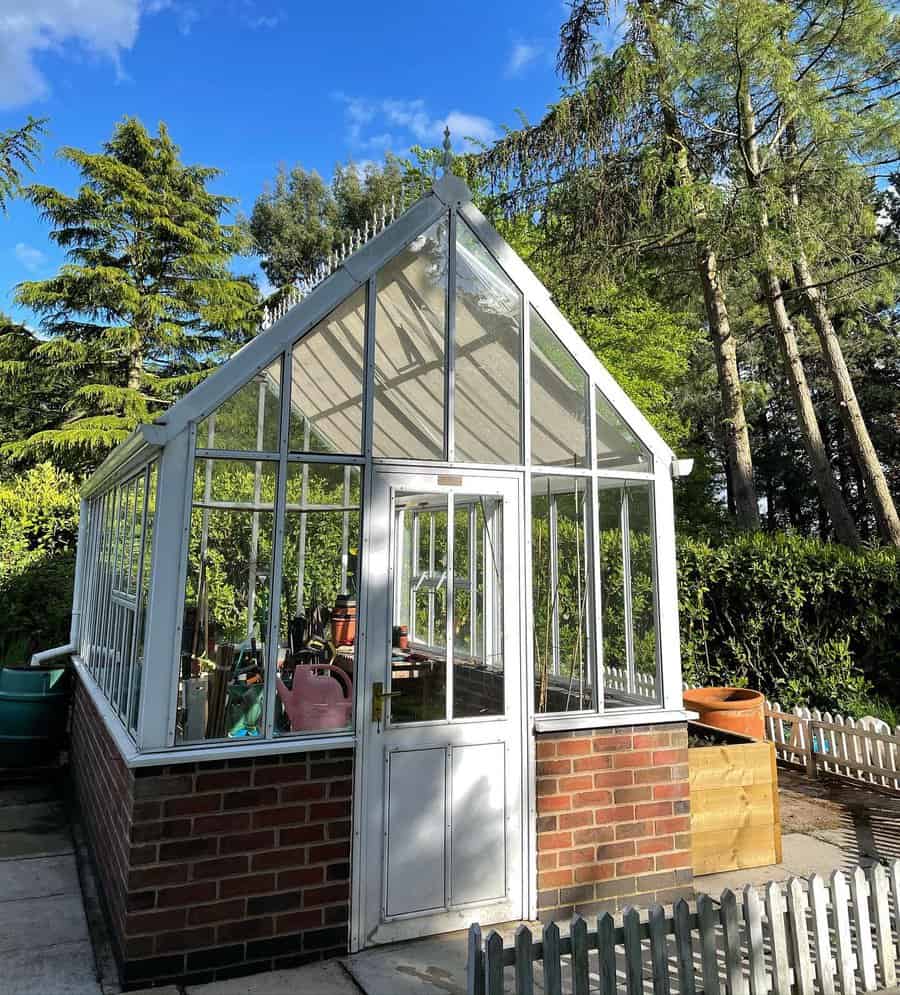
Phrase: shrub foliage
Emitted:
{"points": [[38, 532], [802, 620]]}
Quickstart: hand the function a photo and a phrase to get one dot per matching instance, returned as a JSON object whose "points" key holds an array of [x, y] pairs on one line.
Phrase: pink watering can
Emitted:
{"points": [[317, 700]]}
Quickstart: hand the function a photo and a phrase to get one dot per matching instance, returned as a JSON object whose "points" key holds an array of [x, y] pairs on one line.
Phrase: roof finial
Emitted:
{"points": [[447, 157]]}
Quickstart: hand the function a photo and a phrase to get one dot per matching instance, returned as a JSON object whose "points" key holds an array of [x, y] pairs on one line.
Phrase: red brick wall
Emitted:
{"points": [[211, 870], [613, 819]]}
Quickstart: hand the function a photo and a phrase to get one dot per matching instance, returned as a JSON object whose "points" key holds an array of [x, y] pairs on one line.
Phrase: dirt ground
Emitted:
{"points": [[863, 822]]}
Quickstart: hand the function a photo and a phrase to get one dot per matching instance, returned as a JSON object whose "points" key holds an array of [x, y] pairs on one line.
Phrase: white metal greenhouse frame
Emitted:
{"points": [[164, 451]]}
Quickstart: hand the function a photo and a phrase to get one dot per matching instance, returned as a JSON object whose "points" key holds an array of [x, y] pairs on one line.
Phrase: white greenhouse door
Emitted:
{"points": [[442, 832]]}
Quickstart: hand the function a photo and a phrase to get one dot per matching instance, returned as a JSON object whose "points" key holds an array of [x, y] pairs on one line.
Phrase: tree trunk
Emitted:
{"points": [[770, 285], [737, 438], [848, 406]]}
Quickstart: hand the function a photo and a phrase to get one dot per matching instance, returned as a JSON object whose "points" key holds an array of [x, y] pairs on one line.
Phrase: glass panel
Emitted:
{"points": [[478, 672], [419, 655], [250, 419], [612, 593], [317, 639], [410, 323], [222, 677], [628, 602], [561, 593], [487, 356], [643, 595], [328, 373], [618, 448], [559, 400], [143, 605]]}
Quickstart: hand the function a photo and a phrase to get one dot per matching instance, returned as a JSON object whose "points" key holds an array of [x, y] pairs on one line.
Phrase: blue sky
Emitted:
{"points": [[247, 84]]}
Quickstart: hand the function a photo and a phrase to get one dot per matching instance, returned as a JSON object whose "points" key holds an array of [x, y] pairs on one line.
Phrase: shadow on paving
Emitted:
{"points": [[45, 946]]}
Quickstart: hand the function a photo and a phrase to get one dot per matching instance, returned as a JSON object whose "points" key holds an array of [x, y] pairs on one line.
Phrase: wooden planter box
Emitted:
{"points": [[735, 818]]}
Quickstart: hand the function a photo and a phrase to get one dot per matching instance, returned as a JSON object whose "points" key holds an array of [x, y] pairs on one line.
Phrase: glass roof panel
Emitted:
{"points": [[410, 324], [327, 382], [559, 400], [618, 448], [487, 357], [250, 419]]}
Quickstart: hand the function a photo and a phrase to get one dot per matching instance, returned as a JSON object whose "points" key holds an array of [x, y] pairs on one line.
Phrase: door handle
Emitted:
{"points": [[378, 696]]}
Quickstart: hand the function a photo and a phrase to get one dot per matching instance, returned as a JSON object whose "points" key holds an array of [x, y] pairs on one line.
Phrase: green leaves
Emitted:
{"points": [[146, 300], [804, 621]]}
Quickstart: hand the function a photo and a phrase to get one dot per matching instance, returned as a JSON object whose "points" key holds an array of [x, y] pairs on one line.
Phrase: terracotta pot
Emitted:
{"points": [[736, 709], [343, 621]]}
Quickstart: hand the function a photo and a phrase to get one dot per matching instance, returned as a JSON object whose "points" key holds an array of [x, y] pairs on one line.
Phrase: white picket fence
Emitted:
{"points": [[836, 745], [803, 937], [616, 678]]}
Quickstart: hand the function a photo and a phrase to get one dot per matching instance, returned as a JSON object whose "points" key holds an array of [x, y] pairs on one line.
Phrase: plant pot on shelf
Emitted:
{"points": [[739, 710], [343, 621]]}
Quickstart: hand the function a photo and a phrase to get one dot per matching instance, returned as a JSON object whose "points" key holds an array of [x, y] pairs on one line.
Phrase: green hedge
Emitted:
{"points": [[802, 620], [38, 532]]}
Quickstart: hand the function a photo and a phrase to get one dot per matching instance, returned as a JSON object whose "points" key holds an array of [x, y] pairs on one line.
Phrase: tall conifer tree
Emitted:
{"points": [[146, 304]]}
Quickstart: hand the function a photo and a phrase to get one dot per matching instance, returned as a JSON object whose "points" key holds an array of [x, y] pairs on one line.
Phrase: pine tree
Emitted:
{"points": [[18, 150], [146, 303], [640, 172]]}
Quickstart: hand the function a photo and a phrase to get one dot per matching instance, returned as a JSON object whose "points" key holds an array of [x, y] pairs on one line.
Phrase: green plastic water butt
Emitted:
{"points": [[33, 707]]}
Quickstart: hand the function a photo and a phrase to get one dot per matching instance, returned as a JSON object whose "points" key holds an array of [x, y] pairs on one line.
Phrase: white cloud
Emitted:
{"points": [[523, 54], [30, 257], [409, 122], [106, 28]]}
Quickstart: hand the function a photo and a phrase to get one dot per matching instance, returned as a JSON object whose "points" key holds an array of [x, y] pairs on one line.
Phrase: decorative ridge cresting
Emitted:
{"points": [[383, 216]]}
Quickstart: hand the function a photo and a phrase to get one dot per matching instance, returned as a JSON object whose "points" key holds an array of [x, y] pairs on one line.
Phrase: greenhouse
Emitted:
{"points": [[412, 530]]}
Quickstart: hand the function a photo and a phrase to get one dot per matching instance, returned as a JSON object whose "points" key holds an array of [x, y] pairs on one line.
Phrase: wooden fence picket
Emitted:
{"points": [[475, 962], [659, 951], [755, 948], [634, 971], [865, 955], [552, 969], [734, 974], [818, 903], [709, 961], [684, 948], [840, 903], [884, 941], [804, 937], [775, 918], [524, 962], [796, 903], [493, 963], [606, 950], [581, 982]]}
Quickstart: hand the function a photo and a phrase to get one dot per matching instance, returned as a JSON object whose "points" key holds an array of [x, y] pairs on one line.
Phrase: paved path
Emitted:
{"points": [[45, 948]]}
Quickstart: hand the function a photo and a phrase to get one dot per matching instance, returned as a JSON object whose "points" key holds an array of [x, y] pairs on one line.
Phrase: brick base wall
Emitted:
{"points": [[217, 869], [613, 823]]}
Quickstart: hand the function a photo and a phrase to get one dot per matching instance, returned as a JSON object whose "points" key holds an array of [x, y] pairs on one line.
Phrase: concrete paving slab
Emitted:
{"points": [[37, 923], [327, 978], [39, 877], [802, 855], [14, 845], [28, 793], [67, 969], [35, 817], [435, 964], [168, 990]]}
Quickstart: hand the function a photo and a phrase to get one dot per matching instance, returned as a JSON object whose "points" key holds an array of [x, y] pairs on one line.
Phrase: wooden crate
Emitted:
{"points": [[735, 818]]}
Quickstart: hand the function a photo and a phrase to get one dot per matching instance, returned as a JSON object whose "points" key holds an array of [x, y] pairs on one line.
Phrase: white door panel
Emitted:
{"points": [[441, 779]]}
